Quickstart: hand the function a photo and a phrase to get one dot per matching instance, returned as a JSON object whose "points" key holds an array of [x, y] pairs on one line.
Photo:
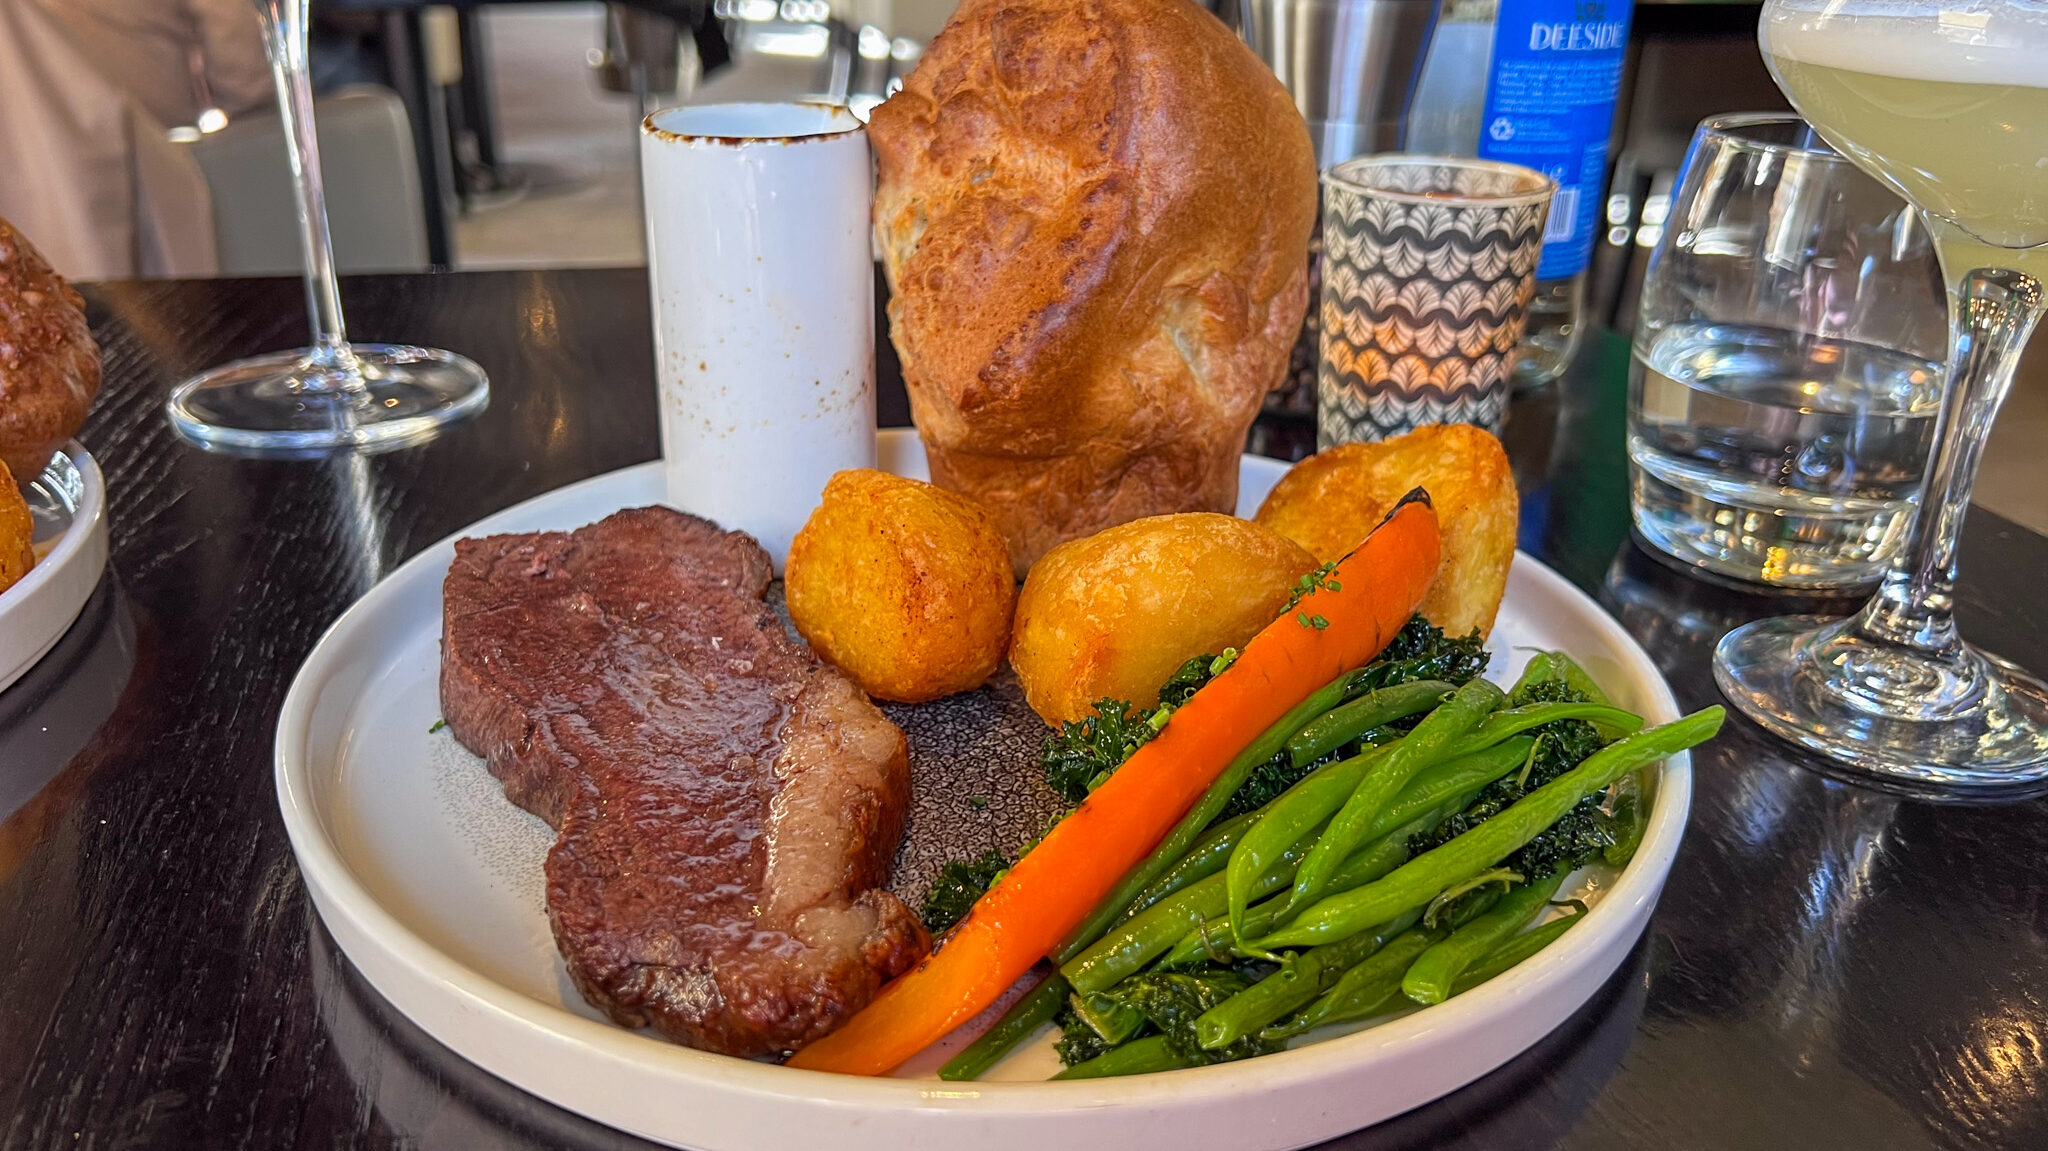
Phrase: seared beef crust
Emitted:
{"points": [[728, 807]]}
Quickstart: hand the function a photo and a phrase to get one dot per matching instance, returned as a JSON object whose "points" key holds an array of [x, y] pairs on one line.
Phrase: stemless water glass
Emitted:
{"points": [[1787, 365], [333, 394], [1946, 102]]}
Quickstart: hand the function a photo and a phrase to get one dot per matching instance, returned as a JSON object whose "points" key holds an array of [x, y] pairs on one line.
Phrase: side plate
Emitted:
{"points": [[69, 503]]}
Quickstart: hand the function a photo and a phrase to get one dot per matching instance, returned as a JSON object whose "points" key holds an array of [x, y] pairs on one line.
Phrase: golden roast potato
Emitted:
{"points": [[1115, 614], [905, 587], [17, 532], [1329, 502]]}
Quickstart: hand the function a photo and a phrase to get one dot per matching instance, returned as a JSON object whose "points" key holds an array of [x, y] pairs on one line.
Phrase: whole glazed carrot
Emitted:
{"points": [[1354, 611]]}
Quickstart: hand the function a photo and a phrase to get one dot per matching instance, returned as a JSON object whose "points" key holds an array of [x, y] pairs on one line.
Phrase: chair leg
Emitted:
{"points": [[406, 61]]}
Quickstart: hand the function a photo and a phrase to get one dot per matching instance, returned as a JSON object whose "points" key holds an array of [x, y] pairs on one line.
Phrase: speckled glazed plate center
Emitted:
{"points": [[431, 882]]}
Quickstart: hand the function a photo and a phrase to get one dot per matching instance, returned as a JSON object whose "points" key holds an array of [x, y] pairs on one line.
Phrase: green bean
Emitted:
{"points": [[1379, 737], [1113, 1021], [1211, 940], [1373, 987], [1468, 905], [1541, 668], [1424, 746], [1628, 797], [1208, 856], [1323, 792], [1152, 1053], [1130, 944], [1429, 978], [1359, 992], [1138, 940], [1299, 980], [1514, 951], [1419, 880], [1283, 823], [1034, 1010], [1612, 721], [1566, 668], [1170, 849], [1460, 776], [1577, 676], [1546, 666], [1039, 1006], [1315, 797], [1344, 723], [1207, 943]]}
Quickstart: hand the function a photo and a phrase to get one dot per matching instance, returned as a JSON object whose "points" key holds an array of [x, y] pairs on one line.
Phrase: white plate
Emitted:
{"points": [[68, 502], [431, 882]]}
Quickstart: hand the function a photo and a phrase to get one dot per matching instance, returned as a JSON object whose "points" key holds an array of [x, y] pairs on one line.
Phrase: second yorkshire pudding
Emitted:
{"points": [[1094, 216], [49, 366]]}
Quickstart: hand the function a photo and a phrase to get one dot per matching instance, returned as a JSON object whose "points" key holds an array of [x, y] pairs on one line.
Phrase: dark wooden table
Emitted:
{"points": [[1830, 967]]}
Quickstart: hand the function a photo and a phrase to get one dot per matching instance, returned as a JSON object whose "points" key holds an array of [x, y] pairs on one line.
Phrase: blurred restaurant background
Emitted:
{"points": [[143, 138]]}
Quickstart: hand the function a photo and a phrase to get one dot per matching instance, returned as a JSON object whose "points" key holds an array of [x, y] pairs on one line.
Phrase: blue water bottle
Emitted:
{"points": [[1553, 73]]}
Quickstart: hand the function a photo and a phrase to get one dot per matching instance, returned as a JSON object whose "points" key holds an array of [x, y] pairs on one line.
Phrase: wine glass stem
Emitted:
{"points": [[284, 31], [1991, 313]]}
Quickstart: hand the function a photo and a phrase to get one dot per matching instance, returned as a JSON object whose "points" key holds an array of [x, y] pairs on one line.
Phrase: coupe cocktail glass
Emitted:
{"points": [[333, 394], [1945, 101]]}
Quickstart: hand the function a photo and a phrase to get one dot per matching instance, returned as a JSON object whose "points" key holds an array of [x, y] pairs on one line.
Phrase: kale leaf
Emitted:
{"points": [[1268, 780], [1172, 1002], [1078, 757], [1078, 1042], [958, 885], [1184, 683], [1081, 754], [1579, 835], [1547, 691], [1420, 650]]}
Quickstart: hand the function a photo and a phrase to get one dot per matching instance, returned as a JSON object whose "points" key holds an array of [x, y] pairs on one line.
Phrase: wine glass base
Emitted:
{"points": [[380, 397], [1974, 727]]}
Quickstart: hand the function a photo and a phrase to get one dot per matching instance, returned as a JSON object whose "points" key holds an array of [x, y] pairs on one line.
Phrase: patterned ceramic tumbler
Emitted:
{"points": [[1428, 265]]}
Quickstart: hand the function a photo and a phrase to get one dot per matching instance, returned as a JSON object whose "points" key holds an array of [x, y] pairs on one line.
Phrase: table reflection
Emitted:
{"points": [[1544, 1092], [1679, 614], [58, 705], [422, 1093]]}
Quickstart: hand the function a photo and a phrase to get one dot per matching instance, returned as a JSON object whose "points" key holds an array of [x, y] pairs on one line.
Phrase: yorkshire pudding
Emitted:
{"points": [[1094, 216], [49, 366]]}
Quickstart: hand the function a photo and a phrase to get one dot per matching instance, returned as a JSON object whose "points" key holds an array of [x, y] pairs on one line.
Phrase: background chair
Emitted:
{"points": [[372, 182]]}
